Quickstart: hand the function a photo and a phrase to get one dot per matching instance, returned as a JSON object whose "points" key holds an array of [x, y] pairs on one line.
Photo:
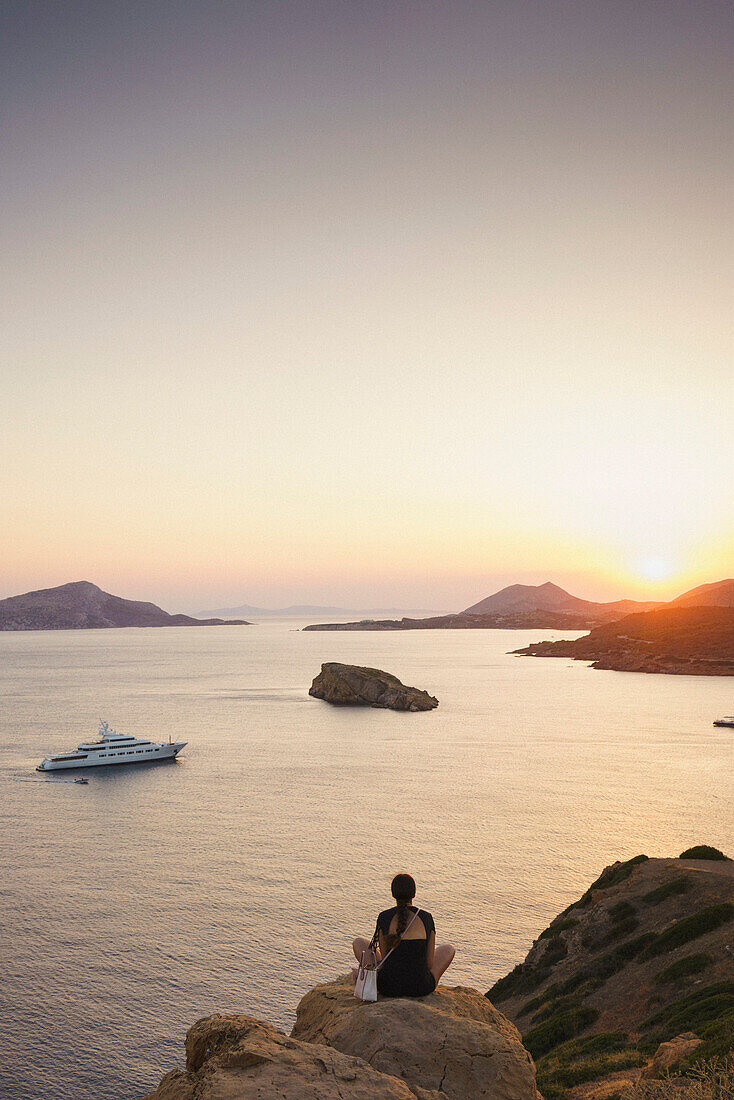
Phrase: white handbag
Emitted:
{"points": [[365, 988]]}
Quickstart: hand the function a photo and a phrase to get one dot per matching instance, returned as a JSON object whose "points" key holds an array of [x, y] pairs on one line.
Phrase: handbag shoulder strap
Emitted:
{"points": [[382, 963]]}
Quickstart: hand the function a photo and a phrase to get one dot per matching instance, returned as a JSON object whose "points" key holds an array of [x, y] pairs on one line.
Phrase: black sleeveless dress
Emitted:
{"points": [[405, 973]]}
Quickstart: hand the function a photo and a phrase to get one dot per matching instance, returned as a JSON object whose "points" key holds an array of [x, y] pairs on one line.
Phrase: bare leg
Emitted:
{"points": [[442, 959], [358, 946]]}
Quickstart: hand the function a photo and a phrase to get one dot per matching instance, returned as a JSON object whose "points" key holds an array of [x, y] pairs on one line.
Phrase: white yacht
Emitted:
{"points": [[111, 748], [727, 721]]}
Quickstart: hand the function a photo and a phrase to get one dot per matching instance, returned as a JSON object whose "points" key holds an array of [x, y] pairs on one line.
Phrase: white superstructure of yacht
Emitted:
{"points": [[111, 748]]}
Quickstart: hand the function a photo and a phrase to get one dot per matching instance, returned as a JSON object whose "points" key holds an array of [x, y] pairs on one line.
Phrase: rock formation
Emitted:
{"points": [[672, 1053], [453, 1045], [693, 641], [238, 1058], [352, 685], [83, 606]]}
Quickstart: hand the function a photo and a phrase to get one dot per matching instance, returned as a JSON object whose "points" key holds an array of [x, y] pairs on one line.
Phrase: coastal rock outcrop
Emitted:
{"points": [[615, 981], [669, 1054], [239, 1058], [690, 641], [453, 1043], [353, 685]]}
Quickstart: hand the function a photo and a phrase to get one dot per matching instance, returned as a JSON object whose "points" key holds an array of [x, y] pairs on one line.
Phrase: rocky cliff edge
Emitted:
{"points": [[452, 1045]]}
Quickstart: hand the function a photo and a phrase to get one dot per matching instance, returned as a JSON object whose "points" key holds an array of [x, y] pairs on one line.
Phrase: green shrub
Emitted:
{"points": [[690, 928], [690, 964], [520, 980], [559, 926], [624, 928], [587, 1069], [718, 1039], [610, 876], [668, 889], [530, 1006], [596, 973], [560, 1004], [702, 851], [621, 912], [682, 1003], [505, 987], [602, 1043], [539, 1040], [555, 951], [709, 1012]]}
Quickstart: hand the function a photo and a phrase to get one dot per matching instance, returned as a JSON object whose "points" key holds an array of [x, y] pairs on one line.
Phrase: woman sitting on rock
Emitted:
{"points": [[410, 964]]}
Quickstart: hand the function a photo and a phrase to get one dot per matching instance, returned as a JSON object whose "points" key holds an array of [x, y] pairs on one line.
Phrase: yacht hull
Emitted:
{"points": [[114, 756]]}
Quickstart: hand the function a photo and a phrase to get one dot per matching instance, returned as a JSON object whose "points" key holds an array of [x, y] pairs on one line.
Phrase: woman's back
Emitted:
{"points": [[405, 972]]}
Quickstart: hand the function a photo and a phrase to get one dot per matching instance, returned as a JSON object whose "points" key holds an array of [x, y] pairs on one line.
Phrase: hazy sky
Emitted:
{"points": [[366, 303]]}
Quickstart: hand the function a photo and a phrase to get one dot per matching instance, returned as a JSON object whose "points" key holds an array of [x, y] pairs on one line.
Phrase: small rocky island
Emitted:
{"points": [[353, 685], [81, 605]]}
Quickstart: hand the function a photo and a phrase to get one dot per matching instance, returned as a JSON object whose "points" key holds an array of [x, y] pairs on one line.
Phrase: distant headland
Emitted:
{"points": [[692, 634], [83, 606], [518, 607], [691, 641]]}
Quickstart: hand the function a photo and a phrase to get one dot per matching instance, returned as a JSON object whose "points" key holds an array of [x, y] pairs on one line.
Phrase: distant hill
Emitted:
{"points": [[718, 594], [549, 597], [83, 606], [300, 611], [694, 640], [541, 607], [519, 607]]}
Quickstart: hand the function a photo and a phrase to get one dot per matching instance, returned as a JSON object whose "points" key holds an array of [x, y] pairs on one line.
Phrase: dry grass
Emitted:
{"points": [[712, 1080]]}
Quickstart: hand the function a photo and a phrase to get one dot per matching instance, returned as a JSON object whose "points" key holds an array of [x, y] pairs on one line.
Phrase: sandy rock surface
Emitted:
{"points": [[453, 1043], [239, 1058], [669, 1054]]}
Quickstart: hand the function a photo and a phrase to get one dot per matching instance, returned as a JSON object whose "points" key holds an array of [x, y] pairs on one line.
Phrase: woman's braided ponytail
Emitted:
{"points": [[403, 890]]}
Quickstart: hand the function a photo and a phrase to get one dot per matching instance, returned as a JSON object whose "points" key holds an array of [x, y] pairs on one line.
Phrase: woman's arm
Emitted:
{"points": [[430, 949], [381, 945]]}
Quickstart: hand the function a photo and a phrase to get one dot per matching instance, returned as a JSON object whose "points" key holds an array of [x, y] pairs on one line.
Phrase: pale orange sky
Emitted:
{"points": [[377, 305]]}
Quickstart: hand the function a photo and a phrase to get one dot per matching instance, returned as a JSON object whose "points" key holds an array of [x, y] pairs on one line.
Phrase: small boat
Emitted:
{"points": [[81, 780], [112, 748], [728, 720]]}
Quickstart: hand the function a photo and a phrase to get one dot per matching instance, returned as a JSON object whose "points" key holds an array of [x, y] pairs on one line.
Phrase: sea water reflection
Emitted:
{"points": [[236, 877]]}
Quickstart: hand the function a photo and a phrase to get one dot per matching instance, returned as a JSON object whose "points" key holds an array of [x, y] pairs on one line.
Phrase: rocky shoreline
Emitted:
{"points": [[632, 980], [452, 1044], [684, 641]]}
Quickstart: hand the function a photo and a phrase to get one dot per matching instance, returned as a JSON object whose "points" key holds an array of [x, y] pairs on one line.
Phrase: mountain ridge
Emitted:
{"points": [[81, 605], [541, 607]]}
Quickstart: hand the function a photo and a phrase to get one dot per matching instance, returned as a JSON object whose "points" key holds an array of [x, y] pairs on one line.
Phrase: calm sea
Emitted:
{"points": [[235, 878]]}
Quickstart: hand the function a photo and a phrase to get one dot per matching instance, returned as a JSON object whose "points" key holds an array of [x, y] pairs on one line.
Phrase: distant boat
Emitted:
{"points": [[81, 780], [111, 748], [726, 721]]}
